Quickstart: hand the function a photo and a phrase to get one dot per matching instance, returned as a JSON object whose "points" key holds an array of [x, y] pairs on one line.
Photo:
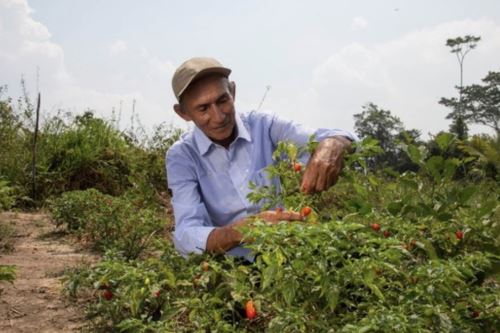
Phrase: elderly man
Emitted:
{"points": [[210, 167]]}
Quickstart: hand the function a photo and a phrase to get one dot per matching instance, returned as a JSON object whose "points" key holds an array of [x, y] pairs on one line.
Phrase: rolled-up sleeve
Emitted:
{"points": [[192, 222]]}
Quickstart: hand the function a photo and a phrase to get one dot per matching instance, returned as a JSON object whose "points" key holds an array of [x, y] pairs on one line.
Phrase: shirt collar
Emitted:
{"points": [[204, 143]]}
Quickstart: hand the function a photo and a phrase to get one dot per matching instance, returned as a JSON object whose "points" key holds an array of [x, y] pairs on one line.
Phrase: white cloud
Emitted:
{"points": [[27, 45], [407, 75], [117, 47], [359, 23]]}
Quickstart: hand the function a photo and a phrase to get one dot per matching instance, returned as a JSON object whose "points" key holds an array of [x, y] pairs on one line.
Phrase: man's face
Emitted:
{"points": [[209, 103]]}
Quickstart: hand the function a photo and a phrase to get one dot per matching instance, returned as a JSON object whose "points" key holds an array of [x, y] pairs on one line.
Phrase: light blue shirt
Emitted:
{"points": [[209, 183]]}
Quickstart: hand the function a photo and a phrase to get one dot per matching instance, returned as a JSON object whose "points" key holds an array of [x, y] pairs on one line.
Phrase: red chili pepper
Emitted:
{"points": [[250, 310], [305, 211]]}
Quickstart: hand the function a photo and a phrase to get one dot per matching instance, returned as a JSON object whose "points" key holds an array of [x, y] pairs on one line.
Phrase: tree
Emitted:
{"points": [[379, 124], [460, 46], [480, 103], [483, 101], [389, 131]]}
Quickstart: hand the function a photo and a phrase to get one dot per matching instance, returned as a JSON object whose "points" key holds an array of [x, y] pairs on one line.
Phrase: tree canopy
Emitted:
{"points": [[480, 102]]}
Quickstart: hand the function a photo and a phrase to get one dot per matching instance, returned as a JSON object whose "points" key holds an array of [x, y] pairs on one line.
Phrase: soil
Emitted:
{"points": [[41, 254]]}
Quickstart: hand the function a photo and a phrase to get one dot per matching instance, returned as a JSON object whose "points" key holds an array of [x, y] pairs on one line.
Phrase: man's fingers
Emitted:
{"points": [[275, 217], [321, 180], [332, 175], [290, 216], [332, 179], [310, 178]]}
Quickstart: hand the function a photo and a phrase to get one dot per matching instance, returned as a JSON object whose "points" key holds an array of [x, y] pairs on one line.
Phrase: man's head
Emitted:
{"points": [[206, 96]]}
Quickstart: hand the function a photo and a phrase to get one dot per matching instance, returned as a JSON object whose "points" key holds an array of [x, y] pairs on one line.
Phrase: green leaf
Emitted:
{"points": [[368, 278], [415, 154], [289, 291], [450, 166], [428, 247], [332, 297], [466, 193], [434, 165], [444, 140], [268, 275]]}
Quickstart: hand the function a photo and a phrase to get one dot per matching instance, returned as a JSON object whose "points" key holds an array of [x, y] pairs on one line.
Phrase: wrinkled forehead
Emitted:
{"points": [[207, 87]]}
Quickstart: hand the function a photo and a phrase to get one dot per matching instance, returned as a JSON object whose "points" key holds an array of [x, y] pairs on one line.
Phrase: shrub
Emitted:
{"points": [[107, 222], [6, 195], [87, 153], [428, 266]]}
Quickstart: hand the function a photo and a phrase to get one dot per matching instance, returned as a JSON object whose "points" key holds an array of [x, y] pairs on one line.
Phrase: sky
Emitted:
{"points": [[321, 61]]}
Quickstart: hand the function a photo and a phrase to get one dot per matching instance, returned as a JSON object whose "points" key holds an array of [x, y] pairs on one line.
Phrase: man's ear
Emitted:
{"points": [[232, 89], [181, 112]]}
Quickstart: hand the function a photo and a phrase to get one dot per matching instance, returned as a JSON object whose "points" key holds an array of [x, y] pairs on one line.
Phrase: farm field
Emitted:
{"points": [[348, 152], [382, 250]]}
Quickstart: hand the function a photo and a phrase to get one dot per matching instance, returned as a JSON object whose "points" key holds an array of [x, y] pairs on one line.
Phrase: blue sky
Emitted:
{"points": [[322, 59]]}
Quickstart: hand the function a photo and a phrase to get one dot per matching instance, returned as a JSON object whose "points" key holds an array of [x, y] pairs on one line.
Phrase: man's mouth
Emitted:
{"points": [[223, 127]]}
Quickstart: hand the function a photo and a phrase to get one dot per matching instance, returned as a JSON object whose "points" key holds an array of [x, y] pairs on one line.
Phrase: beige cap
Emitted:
{"points": [[193, 69]]}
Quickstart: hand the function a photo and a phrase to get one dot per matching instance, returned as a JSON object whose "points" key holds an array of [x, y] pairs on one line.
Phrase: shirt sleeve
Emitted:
{"points": [[284, 130], [192, 222]]}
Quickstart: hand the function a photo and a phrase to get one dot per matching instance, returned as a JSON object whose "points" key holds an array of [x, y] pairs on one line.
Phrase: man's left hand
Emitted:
{"points": [[325, 165]]}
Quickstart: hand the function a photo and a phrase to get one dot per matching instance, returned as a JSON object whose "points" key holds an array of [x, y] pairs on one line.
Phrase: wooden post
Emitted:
{"points": [[35, 137]]}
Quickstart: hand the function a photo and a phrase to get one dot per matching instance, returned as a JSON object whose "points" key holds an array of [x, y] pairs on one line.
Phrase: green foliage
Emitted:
{"points": [[462, 45], [389, 131], [76, 153], [431, 267], [14, 146], [479, 104], [6, 195], [484, 151], [107, 222], [87, 153], [7, 273]]}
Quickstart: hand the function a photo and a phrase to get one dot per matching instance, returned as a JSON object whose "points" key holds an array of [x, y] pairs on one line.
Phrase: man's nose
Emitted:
{"points": [[217, 113]]}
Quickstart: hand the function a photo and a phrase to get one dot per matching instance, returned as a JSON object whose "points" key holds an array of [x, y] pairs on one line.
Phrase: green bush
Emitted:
{"points": [[412, 253], [6, 195], [107, 222], [87, 153], [77, 153], [15, 148]]}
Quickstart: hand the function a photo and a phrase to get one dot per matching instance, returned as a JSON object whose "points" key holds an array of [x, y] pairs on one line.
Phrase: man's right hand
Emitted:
{"points": [[222, 239]]}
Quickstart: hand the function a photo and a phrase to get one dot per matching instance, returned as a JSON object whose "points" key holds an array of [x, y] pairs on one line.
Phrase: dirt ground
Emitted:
{"points": [[41, 254]]}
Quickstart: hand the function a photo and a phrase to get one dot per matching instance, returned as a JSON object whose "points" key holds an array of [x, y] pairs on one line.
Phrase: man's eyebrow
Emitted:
{"points": [[221, 96], [224, 95]]}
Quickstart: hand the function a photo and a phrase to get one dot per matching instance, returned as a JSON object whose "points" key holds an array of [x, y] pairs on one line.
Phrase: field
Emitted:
{"points": [[407, 242]]}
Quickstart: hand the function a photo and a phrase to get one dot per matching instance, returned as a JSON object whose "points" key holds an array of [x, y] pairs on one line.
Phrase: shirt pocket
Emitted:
{"points": [[221, 198], [261, 178]]}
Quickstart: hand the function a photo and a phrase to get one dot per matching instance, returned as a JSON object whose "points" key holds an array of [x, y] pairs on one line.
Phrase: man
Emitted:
{"points": [[209, 168]]}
